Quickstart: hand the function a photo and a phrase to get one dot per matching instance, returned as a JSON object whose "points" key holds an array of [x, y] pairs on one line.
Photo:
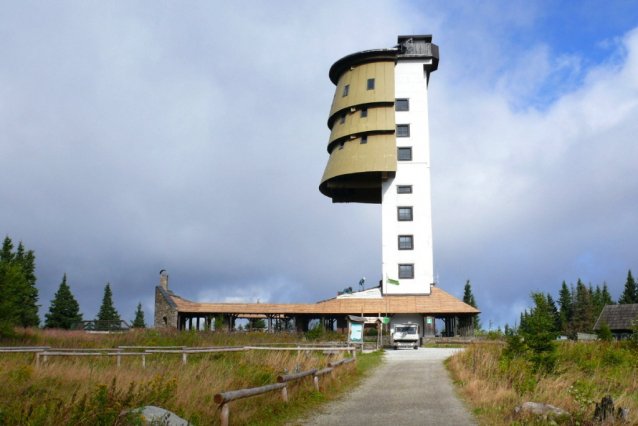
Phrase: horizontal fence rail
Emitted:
{"points": [[226, 397], [184, 351], [45, 355]]}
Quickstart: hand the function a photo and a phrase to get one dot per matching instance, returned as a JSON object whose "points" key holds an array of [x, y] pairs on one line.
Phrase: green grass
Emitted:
{"points": [[493, 385], [93, 391]]}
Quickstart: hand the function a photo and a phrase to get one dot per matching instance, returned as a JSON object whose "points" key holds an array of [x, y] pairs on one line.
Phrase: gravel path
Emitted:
{"points": [[410, 388]]}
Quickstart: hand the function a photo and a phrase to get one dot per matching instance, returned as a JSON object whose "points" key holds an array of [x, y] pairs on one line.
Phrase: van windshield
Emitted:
{"points": [[408, 329]]}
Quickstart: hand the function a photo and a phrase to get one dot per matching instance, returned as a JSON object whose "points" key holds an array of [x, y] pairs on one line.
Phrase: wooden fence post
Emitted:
{"points": [[284, 393], [143, 361], [119, 360], [225, 414], [184, 358], [316, 380]]}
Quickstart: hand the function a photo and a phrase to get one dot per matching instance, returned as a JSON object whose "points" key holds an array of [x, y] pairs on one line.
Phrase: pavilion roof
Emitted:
{"points": [[437, 302]]}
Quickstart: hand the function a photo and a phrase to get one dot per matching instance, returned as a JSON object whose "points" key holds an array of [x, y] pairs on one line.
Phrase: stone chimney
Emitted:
{"points": [[164, 281]]}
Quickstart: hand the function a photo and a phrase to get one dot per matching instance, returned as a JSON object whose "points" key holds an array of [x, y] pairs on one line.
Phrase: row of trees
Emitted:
{"points": [[65, 310], [577, 309], [19, 296]]}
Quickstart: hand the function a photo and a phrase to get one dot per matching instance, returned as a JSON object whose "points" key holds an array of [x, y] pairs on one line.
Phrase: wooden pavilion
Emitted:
{"points": [[173, 311]]}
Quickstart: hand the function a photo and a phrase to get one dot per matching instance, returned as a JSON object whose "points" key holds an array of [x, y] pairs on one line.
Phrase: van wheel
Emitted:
{"points": [[395, 348], [416, 347]]}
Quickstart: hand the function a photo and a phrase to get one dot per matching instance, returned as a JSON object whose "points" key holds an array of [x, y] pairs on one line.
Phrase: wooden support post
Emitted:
{"points": [[225, 414], [184, 357], [37, 359], [316, 380], [119, 360], [197, 324], [143, 361], [284, 393]]}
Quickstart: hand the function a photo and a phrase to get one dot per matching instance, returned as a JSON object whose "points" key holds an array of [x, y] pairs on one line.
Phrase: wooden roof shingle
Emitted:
{"points": [[618, 317]]}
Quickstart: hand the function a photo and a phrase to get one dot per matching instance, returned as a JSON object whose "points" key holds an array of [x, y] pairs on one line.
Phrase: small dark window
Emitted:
{"points": [[364, 139], [402, 105], [404, 189], [406, 271], [371, 84], [346, 89], [405, 213], [403, 130], [404, 154], [343, 119], [342, 144], [364, 112], [406, 242]]}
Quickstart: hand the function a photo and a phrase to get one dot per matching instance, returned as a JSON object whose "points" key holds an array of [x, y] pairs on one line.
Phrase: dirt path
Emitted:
{"points": [[411, 388]]}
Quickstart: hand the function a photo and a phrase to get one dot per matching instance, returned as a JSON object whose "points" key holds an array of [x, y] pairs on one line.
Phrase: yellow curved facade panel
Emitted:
{"points": [[378, 119], [357, 81], [378, 155]]}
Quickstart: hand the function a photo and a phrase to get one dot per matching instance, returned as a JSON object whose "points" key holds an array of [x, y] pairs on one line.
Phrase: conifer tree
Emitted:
{"points": [[605, 298], [11, 286], [17, 285], [565, 306], [138, 322], [583, 320], [468, 298], [630, 294], [107, 310], [64, 309], [29, 297]]}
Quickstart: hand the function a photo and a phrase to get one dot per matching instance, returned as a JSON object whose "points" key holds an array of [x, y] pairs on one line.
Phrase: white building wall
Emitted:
{"points": [[411, 84]]}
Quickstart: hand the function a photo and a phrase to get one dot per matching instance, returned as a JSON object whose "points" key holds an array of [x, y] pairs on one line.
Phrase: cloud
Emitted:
{"points": [[143, 136]]}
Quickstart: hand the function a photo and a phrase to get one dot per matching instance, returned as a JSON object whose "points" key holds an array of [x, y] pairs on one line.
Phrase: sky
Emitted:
{"points": [[137, 136]]}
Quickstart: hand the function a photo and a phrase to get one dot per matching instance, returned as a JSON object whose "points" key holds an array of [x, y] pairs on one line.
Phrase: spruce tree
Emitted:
{"points": [[12, 284], [630, 294], [605, 298], [17, 285], [138, 322], [107, 310], [64, 309], [468, 298], [29, 298], [565, 306], [583, 320]]}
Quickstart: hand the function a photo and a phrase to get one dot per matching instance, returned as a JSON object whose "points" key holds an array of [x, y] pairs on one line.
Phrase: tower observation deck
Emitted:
{"points": [[379, 150]]}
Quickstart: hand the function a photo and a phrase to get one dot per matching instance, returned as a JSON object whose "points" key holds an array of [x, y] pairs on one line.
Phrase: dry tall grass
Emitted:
{"points": [[56, 390], [584, 373]]}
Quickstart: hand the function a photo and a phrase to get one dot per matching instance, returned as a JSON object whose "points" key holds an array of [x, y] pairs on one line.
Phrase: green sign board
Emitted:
{"points": [[356, 333], [385, 320]]}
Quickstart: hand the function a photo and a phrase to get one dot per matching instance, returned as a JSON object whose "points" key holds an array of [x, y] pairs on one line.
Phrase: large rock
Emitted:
{"points": [[545, 410], [159, 416]]}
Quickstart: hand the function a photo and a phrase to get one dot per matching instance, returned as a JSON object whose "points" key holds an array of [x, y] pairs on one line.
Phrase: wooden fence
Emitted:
{"points": [[282, 381], [44, 352]]}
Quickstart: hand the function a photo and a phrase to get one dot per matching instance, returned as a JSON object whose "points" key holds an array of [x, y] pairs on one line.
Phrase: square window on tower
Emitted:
{"points": [[343, 119], [406, 271], [404, 189], [406, 242], [364, 112], [404, 154], [371, 84], [402, 105], [403, 130], [346, 89], [364, 139], [404, 214]]}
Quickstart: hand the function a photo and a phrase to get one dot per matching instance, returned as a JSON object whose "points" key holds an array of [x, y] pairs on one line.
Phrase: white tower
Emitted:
{"points": [[380, 153]]}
